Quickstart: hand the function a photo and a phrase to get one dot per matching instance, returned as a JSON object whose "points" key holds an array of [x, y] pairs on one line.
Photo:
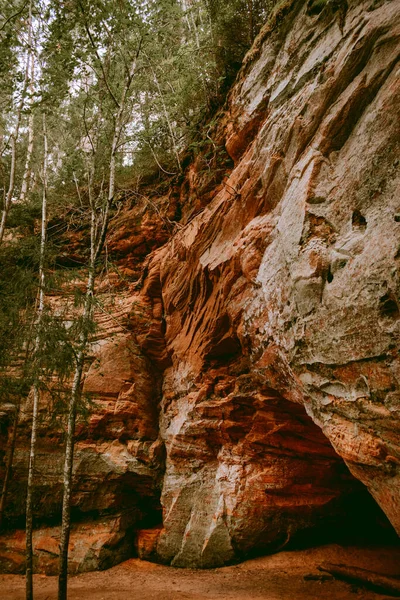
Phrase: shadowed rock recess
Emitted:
{"points": [[251, 397]]}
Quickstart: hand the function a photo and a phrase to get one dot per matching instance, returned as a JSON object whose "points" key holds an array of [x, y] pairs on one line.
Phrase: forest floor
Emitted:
{"points": [[291, 575]]}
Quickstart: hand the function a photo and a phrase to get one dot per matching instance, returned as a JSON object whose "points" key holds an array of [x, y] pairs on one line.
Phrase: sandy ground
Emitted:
{"points": [[287, 575]]}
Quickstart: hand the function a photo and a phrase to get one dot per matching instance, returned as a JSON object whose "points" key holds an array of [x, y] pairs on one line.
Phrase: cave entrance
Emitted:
{"points": [[358, 520], [304, 494], [355, 519]]}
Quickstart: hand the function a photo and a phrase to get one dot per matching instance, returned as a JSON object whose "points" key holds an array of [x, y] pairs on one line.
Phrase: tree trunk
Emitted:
{"points": [[252, 34], [69, 452], [170, 128], [7, 199], [15, 134], [374, 581], [29, 498], [27, 170], [36, 384], [97, 240]]}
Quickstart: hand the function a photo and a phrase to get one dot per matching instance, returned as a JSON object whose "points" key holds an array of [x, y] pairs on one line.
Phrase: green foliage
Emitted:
{"points": [[9, 46], [234, 27], [187, 54], [18, 287], [58, 334], [24, 216]]}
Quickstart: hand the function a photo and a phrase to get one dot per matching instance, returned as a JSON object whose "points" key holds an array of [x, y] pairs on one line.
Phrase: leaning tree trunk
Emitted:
{"points": [[375, 581], [36, 384]]}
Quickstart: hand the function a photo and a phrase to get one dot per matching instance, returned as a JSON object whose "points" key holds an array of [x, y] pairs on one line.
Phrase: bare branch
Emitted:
{"points": [[156, 159], [86, 127], [14, 16], [98, 56]]}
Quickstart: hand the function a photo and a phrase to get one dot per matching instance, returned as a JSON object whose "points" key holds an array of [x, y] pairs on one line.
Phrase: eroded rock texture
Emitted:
{"points": [[118, 460], [260, 355], [283, 295]]}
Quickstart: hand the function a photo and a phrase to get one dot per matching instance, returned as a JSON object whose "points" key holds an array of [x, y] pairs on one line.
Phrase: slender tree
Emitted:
{"points": [[36, 383], [15, 133], [98, 233], [27, 175], [30, 65]]}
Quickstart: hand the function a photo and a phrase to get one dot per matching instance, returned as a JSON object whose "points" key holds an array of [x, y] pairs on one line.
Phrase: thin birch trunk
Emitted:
{"points": [[15, 134], [158, 162], [36, 388], [7, 199], [26, 179], [196, 34], [97, 240], [69, 449], [185, 12], [198, 45]]}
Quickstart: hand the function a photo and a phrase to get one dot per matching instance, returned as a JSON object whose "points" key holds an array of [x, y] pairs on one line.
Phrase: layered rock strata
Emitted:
{"points": [[282, 297], [118, 459], [255, 377]]}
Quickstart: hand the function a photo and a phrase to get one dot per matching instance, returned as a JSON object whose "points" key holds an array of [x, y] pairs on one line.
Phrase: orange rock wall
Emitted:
{"points": [[282, 297], [252, 380]]}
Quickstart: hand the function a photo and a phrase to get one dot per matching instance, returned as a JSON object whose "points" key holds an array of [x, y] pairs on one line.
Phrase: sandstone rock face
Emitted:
{"points": [[93, 547], [118, 460], [254, 378], [281, 298]]}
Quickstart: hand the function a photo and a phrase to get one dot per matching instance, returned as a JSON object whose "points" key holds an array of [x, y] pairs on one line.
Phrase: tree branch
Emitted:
{"points": [[14, 16], [98, 56]]}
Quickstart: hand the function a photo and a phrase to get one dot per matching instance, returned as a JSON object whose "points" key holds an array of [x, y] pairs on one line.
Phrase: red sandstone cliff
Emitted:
{"points": [[261, 354]]}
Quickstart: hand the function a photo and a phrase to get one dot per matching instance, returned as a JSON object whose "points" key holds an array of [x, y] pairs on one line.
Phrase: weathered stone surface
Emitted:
{"points": [[146, 543], [258, 354], [282, 297], [92, 547], [118, 459]]}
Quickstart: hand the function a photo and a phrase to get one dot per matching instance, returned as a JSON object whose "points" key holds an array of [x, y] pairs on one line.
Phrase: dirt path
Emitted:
{"points": [[283, 576]]}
